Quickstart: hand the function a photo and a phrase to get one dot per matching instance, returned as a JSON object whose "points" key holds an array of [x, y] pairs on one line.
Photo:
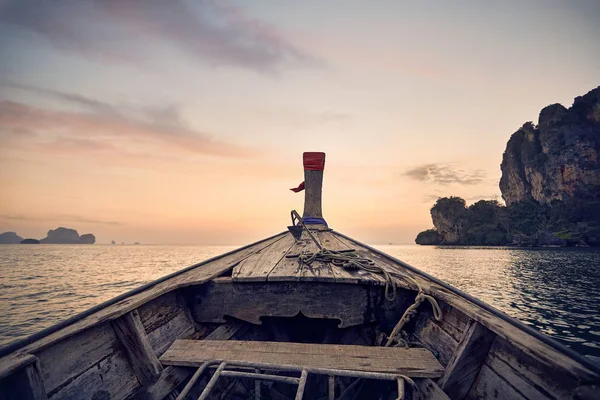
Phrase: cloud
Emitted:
{"points": [[444, 174], [101, 126], [59, 217], [213, 32], [431, 197]]}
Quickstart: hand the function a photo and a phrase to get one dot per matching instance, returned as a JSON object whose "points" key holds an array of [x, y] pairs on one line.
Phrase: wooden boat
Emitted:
{"points": [[264, 322]]}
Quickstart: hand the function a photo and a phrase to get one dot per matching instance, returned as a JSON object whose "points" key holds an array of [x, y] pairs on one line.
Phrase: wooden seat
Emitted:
{"points": [[413, 362]]}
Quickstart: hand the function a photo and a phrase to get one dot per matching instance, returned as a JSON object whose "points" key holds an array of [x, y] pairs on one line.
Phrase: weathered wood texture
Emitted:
{"points": [[313, 184], [361, 275], [181, 326], [539, 353], [66, 360], [11, 364], [523, 374], [489, 385], [434, 338], [24, 384], [169, 379], [161, 310], [260, 264], [131, 334], [351, 304], [454, 322], [227, 330], [429, 390], [272, 264], [290, 269], [411, 362], [172, 376], [198, 275], [111, 378], [464, 365]]}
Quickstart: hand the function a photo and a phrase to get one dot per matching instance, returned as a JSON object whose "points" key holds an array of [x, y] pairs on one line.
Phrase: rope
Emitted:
{"points": [[412, 311], [350, 260]]}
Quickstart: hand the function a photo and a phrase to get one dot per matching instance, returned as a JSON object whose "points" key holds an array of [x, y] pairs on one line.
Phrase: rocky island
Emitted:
{"points": [[59, 235], [67, 236], [10, 238], [550, 183]]}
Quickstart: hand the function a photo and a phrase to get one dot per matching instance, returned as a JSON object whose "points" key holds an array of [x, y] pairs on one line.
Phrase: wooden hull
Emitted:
{"points": [[117, 350]]}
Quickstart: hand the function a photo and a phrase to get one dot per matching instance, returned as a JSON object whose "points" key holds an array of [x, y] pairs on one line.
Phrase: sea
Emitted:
{"points": [[554, 290]]}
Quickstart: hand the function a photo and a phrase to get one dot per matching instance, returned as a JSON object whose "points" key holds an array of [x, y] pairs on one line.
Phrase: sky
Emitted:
{"points": [[184, 122]]}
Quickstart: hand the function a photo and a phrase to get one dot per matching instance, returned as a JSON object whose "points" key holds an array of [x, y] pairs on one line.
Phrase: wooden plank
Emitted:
{"points": [[360, 275], [454, 322], [490, 386], [517, 381], [68, 359], [170, 378], [196, 276], [260, 264], [24, 384], [111, 378], [331, 243], [546, 377], [434, 338], [429, 390], [249, 301], [179, 327], [464, 365], [289, 269], [227, 330], [413, 362], [10, 364], [35, 389], [131, 334], [161, 310]]}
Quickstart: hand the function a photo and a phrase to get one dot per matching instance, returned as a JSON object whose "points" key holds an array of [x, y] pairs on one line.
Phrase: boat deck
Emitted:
{"points": [[276, 264]]}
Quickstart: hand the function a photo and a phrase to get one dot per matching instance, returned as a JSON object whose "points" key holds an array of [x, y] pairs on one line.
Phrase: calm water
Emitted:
{"points": [[553, 290]]}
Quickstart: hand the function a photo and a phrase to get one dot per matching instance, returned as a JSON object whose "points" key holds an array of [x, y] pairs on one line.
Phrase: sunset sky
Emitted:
{"points": [[185, 121]]}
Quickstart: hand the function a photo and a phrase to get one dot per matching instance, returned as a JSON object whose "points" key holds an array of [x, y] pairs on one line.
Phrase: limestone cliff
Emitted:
{"points": [[448, 218], [558, 158]]}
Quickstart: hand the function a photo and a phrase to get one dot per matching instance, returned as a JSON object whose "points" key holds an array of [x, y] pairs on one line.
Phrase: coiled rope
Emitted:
{"points": [[350, 260]]}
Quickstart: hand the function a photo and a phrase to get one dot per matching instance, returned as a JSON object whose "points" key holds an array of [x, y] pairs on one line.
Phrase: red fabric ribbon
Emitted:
{"points": [[299, 188]]}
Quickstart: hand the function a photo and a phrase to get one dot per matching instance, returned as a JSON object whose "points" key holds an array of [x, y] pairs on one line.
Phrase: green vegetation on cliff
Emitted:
{"points": [[562, 223]]}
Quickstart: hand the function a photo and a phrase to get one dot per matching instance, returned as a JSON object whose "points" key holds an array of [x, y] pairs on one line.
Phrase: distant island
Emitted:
{"points": [[550, 183], [10, 238], [30, 241], [59, 235]]}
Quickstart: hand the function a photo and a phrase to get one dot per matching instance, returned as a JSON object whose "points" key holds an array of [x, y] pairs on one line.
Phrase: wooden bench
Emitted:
{"points": [[413, 362]]}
